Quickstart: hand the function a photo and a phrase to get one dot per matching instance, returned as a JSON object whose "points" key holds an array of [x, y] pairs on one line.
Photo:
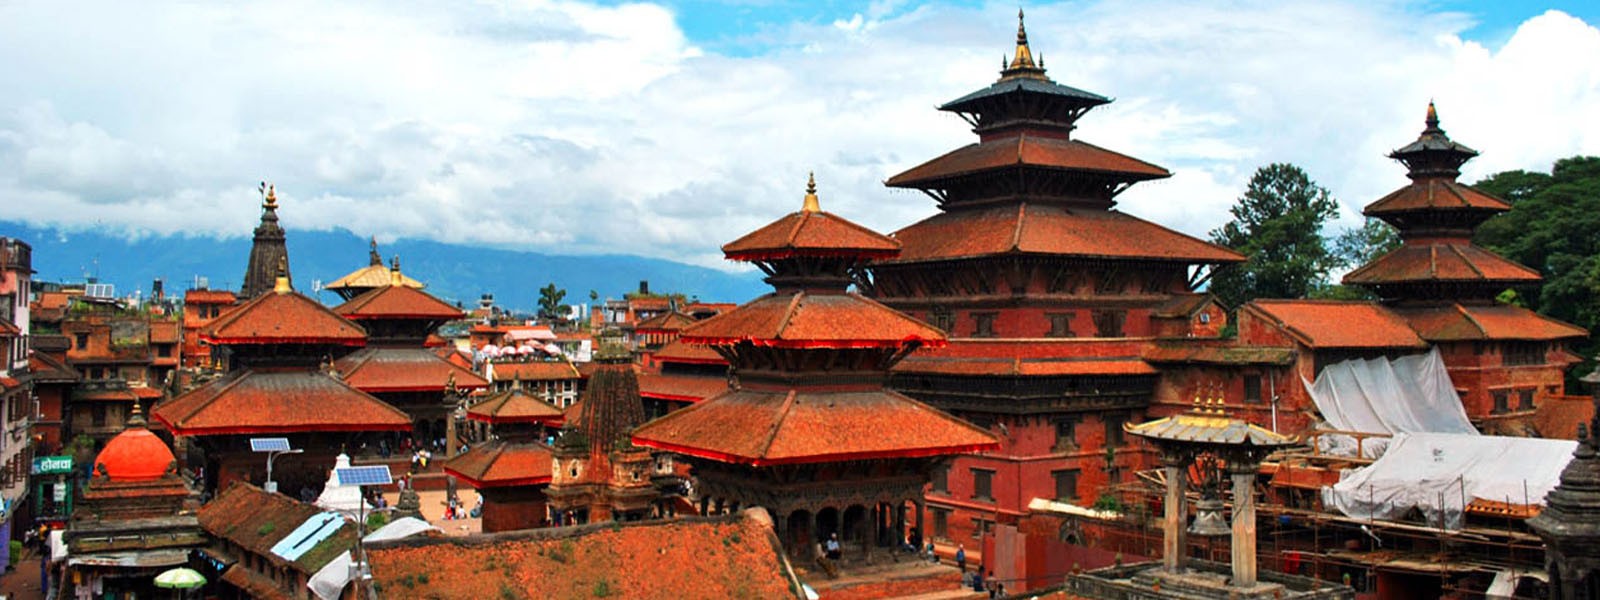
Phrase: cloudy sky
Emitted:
{"points": [[667, 129]]}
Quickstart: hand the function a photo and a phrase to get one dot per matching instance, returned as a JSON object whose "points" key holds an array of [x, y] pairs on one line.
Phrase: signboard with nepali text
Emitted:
{"points": [[52, 465]]}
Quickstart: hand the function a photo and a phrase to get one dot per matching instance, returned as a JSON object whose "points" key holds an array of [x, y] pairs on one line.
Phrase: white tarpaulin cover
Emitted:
{"points": [[1407, 394], [329, 581], [1438, 473]]}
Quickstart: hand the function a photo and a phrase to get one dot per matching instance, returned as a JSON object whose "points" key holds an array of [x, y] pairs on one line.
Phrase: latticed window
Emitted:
{"points": [[1066, 434], [1108, 323], [1252, 389], [1522, 353], [941, 523], [982, 484], [983, 324], [941, 480], [1114, 429], [1525, 399], [1066, 484], [1060, 324], [1502, 401]]}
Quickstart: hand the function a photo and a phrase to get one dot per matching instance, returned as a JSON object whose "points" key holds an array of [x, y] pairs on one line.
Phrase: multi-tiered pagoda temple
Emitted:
{"points": [[807, 429], [1501, 357], [1050, 297]]}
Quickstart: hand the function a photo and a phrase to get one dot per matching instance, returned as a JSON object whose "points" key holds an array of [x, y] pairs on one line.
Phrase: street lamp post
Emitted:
{"points": [[273, 447]]}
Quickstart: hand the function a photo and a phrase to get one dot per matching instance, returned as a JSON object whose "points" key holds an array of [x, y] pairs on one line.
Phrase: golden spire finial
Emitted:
{"points": [[281, 286], [136, 418], [1024, 56], [272, 196], [372, 252], [811, 203], [394, 271], [1433, 116]]}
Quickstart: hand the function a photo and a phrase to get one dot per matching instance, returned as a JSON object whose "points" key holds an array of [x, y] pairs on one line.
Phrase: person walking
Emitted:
{"points": [[961, 557]]}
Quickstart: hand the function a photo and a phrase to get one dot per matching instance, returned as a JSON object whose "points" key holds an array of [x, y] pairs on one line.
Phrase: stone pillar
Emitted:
{"points": [[922, 530], [1173, 546], [1244, 522]]}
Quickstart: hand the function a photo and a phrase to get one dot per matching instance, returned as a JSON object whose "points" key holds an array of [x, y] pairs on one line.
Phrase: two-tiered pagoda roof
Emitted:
{"points": [[281, 395], [803, 416]]}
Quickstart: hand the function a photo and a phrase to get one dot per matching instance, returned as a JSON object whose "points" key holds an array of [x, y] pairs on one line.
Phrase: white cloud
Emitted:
{"points": [[562, 126]]}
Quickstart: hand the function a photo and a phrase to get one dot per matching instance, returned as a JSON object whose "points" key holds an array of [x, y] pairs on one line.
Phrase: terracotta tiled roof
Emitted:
{"points": [[1336, 324], [46, 369], [253, 583], [1434, 194], [163, 332], [1497, 322], [515, 406], [680, 387], [209, 297], [1026, 149], [1210, 354], [256, 520], [667, 322], [371, 276], [283, 318], [537, 370], [397, 302], [1181, 306], [1024, 367], [693, 557], [650, 303], [248, 401], [765, 428], [7, 329], [807, 320], [1051, 230], [52, 300], [375, 370], [8, 384], [115, 394], [453, 356], [807, 233], [501, 463], [677, 351], [1418, 262]]}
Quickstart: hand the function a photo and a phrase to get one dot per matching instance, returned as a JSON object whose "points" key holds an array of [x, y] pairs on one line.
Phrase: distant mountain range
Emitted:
{"points": [[452, 272]]}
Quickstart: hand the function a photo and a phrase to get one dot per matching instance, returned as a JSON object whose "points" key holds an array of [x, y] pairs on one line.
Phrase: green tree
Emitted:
{"points": [[1356, 247], [550, 306], [1551, 227], [1277, 225]]}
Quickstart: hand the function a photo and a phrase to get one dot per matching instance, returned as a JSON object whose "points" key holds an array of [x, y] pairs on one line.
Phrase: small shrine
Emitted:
{"points": [[600, 475], [512, 469], [1208, 440], [133, 521], [1570, 521]]}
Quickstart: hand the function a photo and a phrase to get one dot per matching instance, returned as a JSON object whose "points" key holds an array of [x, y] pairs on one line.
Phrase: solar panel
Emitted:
{"points": [[269, 444], [374, 475]]}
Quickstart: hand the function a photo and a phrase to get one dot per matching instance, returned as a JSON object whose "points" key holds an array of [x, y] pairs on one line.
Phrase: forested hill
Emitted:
{"points": [[452, 272], [1553, 226]]}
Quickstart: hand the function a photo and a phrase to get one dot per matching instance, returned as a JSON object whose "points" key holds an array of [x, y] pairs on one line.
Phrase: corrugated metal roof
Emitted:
{"points": [[308, 535]]}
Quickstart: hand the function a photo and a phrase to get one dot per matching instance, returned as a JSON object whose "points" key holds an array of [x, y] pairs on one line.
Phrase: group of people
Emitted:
{"points": [[981, 580]]}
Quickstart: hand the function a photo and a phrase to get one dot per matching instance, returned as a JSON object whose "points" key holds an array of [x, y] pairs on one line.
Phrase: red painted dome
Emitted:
{"points": [[134, 455]]}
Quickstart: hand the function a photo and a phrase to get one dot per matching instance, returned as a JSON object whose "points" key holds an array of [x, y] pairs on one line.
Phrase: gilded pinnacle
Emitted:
{"points": [[811, 203], [281, 286], [394, 271]]}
